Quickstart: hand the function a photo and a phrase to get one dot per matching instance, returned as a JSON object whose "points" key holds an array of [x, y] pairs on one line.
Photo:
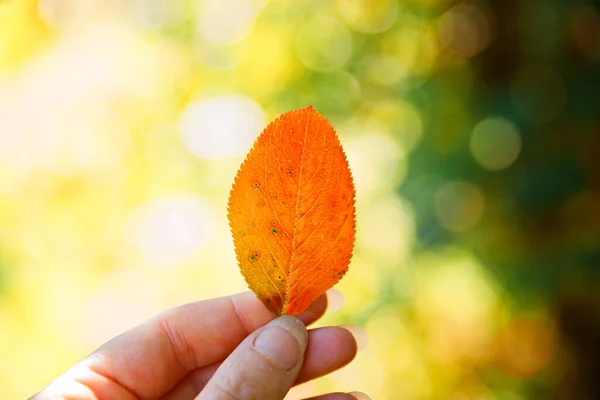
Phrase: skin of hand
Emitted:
{"points": [[230, 348]]}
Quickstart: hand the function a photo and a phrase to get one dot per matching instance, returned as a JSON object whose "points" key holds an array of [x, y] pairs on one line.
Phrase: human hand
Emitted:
{"points": [[214, 349]]}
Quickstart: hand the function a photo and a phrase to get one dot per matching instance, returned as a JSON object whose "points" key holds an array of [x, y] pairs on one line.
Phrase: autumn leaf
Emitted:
{"points": [[291, 212]]}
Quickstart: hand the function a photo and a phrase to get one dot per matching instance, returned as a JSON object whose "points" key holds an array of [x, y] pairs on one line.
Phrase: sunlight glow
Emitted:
{"points": [[224, 22], [221, 127], [168, 230]]}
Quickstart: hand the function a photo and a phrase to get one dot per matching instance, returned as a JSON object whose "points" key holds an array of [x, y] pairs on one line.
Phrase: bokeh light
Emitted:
{"points": [[323, 43], [157, 14], [68, 14], [495, 143], [458, 304], [465, 29], [386, 227], [221, 127], [224, 22], [459, 206], [585, 31], [403, 116], [368, 16], [165, 231], [377, 160], [524, 346]]}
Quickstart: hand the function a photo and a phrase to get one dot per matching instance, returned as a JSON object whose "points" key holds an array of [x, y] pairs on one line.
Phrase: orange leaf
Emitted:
{"points": [[291, 212]]}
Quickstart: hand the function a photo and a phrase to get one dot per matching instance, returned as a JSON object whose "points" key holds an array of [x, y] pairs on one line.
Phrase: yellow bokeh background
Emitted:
{"points": [[123, 123]]}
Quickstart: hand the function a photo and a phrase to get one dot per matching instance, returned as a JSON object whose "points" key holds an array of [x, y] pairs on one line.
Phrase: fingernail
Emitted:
{"points": [[359, 396], [283, 340], [335, 300], [360, 336]]}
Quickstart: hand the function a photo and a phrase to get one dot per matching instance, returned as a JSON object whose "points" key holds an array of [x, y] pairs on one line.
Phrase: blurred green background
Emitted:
{"points": [[472, 129]]}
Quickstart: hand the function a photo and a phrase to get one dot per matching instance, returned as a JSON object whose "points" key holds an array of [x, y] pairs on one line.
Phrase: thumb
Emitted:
{"points": [[263, 366]]}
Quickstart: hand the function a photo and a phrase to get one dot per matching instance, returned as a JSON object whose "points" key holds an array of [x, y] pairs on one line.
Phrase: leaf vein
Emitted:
{"points": [[296, 211]]}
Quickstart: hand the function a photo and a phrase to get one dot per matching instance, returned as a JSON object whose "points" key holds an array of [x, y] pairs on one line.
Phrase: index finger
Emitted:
{"points": [[151, 358]]}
